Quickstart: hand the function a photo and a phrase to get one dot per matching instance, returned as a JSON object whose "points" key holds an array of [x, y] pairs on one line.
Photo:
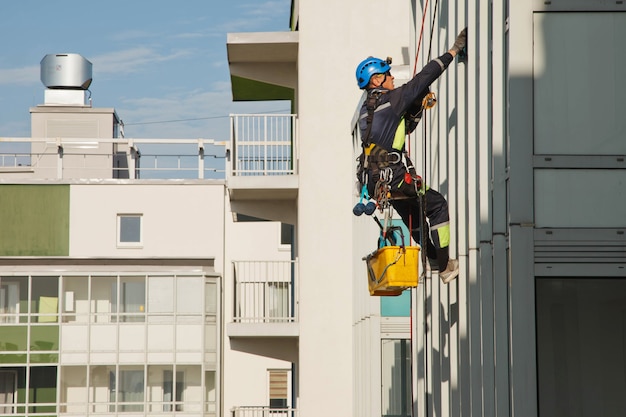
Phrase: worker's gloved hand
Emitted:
{"points": [[460, 42]]}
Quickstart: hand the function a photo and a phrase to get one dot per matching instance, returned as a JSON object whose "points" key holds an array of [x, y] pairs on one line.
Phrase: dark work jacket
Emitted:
{"points": [[393, 104]]}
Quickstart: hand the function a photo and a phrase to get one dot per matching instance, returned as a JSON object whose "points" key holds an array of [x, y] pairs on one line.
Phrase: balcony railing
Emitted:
{"points": [[263, 144], [265, 291], [119, 158], [263, 412]]}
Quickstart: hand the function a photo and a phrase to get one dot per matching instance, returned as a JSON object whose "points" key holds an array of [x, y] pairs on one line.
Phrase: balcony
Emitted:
{"points": [[263, 412], [265, 299], [262, 167], [111, 158]]}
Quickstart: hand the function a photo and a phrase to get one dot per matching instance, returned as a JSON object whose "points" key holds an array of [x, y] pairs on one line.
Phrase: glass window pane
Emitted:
{"points": [[131, 389], [211, 298], [103, 298], [8, 391], [74, 392], [9, 300], [189, 294], [286, 234], [43, 382], [44, 338], [101, 388], [277, 301], [211, 392], [396, 378], [129, 228], [581, 361], [13, 338], [161, 294], [14, 299], [75, 299], [132, 299], [173, 390]]}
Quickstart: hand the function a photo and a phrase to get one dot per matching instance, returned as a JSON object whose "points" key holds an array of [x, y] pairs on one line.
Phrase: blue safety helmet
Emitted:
{"points": [[368, 67]]}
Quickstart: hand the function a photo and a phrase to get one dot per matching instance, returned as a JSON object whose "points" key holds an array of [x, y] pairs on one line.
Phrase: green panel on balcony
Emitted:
{"points": [[12, 358], [35, 220], [44, 338], [245, 89], [44, 358], [13, 338]]}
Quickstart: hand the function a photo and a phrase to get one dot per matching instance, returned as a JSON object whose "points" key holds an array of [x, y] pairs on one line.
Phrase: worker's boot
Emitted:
{"points": [[448, 268]]}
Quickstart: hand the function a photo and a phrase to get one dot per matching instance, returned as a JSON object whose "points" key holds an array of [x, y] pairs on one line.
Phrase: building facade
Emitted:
{"points": [[248, 296], [533, 172], [114, 267]]}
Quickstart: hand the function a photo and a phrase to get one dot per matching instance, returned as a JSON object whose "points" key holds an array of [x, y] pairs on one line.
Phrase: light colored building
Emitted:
{"points": [[112, 274], [527, 144], [247, 318]]}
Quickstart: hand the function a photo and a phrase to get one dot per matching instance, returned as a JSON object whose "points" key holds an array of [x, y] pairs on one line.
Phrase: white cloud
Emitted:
{"points": [[118, 62], [126, 35], [20, 76], [132, 60]]}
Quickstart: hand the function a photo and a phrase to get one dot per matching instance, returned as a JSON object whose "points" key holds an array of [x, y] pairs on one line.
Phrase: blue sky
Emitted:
{"points": [[159, 63]]}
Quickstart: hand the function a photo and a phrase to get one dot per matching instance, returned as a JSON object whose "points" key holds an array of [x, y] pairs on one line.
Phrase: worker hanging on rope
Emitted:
{"points": [[384, 119]]}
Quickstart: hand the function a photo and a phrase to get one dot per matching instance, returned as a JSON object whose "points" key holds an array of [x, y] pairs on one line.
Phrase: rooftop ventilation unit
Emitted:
{"points": [[65, 71]]}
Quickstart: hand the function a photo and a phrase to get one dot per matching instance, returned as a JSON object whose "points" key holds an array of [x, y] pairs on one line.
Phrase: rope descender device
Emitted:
{"points": [[429, 101]]}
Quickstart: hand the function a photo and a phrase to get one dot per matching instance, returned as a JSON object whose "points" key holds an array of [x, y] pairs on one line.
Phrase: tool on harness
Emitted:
{"points": [[360, 207], [411, 176]]}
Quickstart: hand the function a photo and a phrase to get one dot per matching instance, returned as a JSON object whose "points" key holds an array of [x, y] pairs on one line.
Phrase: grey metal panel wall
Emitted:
{"points": [[464, 356], [478, 357]]}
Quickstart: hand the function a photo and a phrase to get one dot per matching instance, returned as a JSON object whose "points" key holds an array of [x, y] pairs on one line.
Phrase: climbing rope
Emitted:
{"points": [[428, 102]]}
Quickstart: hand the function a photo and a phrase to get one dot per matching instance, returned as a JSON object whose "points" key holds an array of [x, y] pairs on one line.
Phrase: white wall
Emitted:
{"points": [[334, 38], [246, 374], [182, 220]]}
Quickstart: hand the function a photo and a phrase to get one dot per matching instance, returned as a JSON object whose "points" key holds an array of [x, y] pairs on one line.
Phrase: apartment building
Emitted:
{"points": [[257, 302], [526, 142], [115, 282]]}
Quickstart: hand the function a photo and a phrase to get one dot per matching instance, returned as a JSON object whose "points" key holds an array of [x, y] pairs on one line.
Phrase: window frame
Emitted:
{"points": [[131, 245]]}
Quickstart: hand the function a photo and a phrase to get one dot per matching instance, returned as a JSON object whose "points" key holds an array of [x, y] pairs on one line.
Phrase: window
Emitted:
{"points": [[173, 390], [279, 388], [44, 299], [8, 391], [131, 390], [286, 234], [132, 299], [581, 330], [277, 301], [396, 378], [129, 230], [9, 302]]}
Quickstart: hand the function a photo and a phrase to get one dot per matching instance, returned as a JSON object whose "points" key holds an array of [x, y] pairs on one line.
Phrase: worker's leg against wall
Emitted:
{"points": [[439, 218], [410, 212]]}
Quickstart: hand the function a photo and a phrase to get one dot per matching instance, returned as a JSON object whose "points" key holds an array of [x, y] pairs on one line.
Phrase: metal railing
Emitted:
{"points": [[263, 412], [265, 291], [263, 144], [119, 158]]}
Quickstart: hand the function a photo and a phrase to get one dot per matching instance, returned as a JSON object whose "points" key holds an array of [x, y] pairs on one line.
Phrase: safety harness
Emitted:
{"points": [[377, 158]]}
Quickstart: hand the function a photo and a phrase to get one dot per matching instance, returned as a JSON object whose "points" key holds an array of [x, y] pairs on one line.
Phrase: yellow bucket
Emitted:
{"points": [[392, 269]]}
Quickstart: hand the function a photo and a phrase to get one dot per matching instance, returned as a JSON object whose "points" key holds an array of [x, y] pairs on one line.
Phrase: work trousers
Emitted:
{"points": [[406, 202]]}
